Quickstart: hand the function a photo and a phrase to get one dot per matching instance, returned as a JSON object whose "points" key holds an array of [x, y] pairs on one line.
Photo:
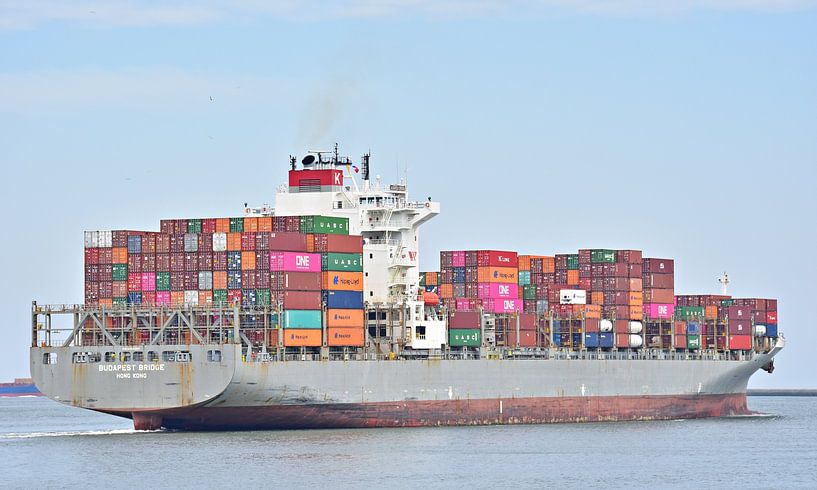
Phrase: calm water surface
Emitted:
{"points": [[44, 444]]}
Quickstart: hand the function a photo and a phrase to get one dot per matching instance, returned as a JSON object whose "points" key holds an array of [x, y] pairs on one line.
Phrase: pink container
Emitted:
{"points": [[294, 262], [497, 290], [458, 259], [467, 304], [149, 281], [659, 310], [162, 298], [496, 305]]}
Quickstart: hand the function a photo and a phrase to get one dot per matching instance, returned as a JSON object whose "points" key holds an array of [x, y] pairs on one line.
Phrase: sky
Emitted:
{"points": [[686, 129]]}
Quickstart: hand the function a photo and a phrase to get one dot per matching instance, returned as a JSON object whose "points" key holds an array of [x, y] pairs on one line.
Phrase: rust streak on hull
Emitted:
{"points": [[448, 412]]}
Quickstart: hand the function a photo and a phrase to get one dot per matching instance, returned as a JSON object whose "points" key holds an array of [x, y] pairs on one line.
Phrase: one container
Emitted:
{"points": [[302, 319], [295, 261], [499, 290], [659, 311], [500, 305]]}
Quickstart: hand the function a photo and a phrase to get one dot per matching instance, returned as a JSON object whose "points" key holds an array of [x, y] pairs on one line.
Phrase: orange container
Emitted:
{"points": [[524, 262], [234, 242], [504, 275], [343, 281], [345, 337], [572, 277], [636, 312], [548, 265], [680, 328], [344, 318], [302, 337], [251, 224], [635, 298], [105, 302], [177, 298], [310, 242], [265, 223], [247, 261], [597, 298], [119, 255], [219, 279], [589, 311], [222, 225], [446, 290], [711, 313], [205, 298]]}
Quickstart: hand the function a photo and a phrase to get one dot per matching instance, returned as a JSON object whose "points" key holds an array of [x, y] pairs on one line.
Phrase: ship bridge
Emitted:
{"points": [[327, 184]]}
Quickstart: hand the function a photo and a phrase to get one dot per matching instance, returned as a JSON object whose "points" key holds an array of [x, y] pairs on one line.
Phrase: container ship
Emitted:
{"points": [[315, 314], [19, 387]]}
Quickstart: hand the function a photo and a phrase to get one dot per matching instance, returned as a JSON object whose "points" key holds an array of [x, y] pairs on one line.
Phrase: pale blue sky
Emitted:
{"points": [[688, 130]]}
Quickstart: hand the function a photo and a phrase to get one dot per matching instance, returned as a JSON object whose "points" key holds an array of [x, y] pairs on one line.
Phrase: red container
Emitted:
{"points": [[298, 281], [149, 243], [739, 312], [740, 327], [262, 279], [105, 256], [591, 325], [315, 178], [134, 263], [463, 319], [740, 342], [134, 282], [162, 262], [352, 244], [771, 317], [287, 241], [497, 258], [234, 296], [162, 244], [205, 261], [658, 265], [658, 280], [219, 261], [635, 270], [248, 279], [527, 338], [119, 289], [247, 241], [105, 289], [527, 321], [262, 260], [629, 256], [262, 240], [119, 238], [666, 296], [771, 305], [177, 281], [302, 300], [208, 226], [148, 262], [191, 280], [191, 261]]}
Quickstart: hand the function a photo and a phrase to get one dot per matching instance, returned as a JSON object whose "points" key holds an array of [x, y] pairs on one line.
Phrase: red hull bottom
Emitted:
{"points": [[445, 412]]}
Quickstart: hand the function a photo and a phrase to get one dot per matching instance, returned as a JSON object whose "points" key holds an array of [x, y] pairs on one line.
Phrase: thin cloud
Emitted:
{"points": [[22, 14]]}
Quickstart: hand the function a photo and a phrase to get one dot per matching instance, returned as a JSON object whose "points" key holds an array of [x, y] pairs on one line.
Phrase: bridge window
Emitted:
{"points": [[138, 356], [49, 358], [176, 356], [110, 357], [125, 357], [214, 356], [153, 356]]}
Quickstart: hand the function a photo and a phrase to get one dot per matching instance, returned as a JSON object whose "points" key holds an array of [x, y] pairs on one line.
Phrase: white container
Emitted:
{"points": [[636, 341], [605, 326], [573, 297], [105, 239], [760, 330], [191, 242], [219, 242], [634, 327], [91, 239], [205, 280], [191, 298]]}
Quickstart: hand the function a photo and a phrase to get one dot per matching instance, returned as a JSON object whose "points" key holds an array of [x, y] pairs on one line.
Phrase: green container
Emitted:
{"points": [[194, 226], [219, 296], [727, 302], [601, 256], [689, 312], [333, 261], [236, 225], [422, 275], [573, 262], [162, 281], [262, 297], [529, 291], [693, 341], [325, 224], [119, 272], [524, 278], [464, 338], [302, 318], [120, 302]]}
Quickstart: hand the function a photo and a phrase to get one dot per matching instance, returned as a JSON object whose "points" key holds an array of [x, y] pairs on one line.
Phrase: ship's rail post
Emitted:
{"points": [[483, 345], [324, 334]]}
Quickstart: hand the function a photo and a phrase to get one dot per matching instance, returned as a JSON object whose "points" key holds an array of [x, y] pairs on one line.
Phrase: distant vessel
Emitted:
{"points": [[339, 328], [20, 387]]}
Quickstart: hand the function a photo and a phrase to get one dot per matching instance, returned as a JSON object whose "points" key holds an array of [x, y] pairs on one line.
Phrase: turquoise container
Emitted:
{"points": [[524, 278], [302, 318]]}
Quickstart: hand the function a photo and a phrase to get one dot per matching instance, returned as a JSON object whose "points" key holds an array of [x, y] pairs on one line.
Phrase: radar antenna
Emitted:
{"points": [[724, 280]]}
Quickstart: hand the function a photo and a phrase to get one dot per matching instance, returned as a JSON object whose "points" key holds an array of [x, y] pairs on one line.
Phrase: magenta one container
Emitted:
{"points": [[294, 262], [497, 305], [659, 310], [497, 290]]}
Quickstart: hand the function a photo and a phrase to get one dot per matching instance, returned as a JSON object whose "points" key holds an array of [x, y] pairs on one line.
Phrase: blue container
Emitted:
{"points": [[557, 339], [302, 319], [352, 300], [693, 328], [134, 244], [591, 340], [233, 261], [135, 298], [577, 339], [248, 296], [459, 275], [771, 330], [432, 289], [233, 279], [606, 340]]}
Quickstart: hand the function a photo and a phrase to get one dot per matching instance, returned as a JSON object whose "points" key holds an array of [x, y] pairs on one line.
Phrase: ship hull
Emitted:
{"points": [[540, 410]]}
